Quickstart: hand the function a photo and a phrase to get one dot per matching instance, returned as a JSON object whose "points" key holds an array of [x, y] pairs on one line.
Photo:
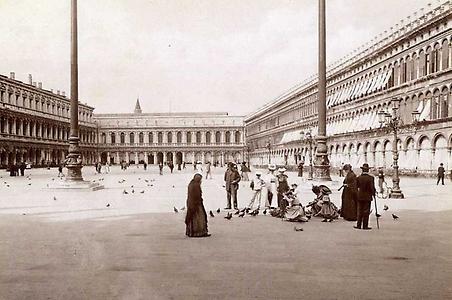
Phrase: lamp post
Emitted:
{"points": [[309, 140], [269, 147], [393, 121]]}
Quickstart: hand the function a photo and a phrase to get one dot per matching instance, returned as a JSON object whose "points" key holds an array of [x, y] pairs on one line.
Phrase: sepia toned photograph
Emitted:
{"points": [[225, 149]]}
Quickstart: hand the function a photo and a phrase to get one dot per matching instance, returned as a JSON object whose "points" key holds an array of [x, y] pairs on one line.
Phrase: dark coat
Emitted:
{"points": [[232, 178], [349, 195], [196, 218], [441, 171], [366, 187]]}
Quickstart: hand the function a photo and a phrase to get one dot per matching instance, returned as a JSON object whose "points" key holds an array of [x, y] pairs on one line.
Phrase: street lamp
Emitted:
{"points": [[269, 146], [309, 140], [393, 121]]}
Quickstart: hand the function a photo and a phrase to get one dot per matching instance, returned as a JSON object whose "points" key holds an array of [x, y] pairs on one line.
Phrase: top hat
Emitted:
{"points": [[271, 167], [258, 173], [365, 167], [282, 170]]}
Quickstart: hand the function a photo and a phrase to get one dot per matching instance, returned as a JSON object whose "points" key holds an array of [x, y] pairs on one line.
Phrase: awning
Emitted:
{"points": [[291, 136], [425, 114]]}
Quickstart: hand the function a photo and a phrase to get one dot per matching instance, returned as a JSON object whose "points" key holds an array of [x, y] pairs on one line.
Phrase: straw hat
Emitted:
{"points": [[282, 170]]}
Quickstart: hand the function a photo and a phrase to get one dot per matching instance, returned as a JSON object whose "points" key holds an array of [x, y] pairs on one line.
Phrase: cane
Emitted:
{"points": [[376, 212]]}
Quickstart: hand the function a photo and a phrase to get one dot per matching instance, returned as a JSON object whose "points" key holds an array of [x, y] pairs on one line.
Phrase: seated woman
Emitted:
{"points": [[322, 206], [294, 211], [196, 218]]}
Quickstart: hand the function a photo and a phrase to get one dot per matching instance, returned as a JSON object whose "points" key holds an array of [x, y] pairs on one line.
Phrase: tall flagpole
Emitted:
{"points": [[322, 163]]}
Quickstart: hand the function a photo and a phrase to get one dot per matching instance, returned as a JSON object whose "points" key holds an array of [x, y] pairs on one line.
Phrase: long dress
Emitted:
{"points": [[348, 207], [328, 209], [295, 211], [196, 218]]}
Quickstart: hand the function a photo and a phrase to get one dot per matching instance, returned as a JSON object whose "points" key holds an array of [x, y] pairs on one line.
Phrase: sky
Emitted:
{"points": [[185, 55]]}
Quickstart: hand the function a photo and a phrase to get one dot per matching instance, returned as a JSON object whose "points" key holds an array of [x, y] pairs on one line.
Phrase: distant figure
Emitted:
{"points": [[107, 167], [183, 165], [440, 175], [178, 166], [381, 180], [300, 168], [196, 218], [12, 170], [60, 171], [349, 194], [22, 168], [232, 179], [145, 166], [171, 166], [160, 168], [208, 170], [256, 185], [295, 211], [283, 187], [271, 187], [341, 170], [198, 167], [366, 190], [244, 169]]}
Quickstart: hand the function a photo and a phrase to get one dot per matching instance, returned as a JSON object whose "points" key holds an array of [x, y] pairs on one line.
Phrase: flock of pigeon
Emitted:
{"points": [[240, 213]]}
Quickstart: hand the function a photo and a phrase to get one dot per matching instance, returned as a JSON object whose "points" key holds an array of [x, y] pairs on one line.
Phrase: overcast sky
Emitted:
{"points": [[209, 55]]}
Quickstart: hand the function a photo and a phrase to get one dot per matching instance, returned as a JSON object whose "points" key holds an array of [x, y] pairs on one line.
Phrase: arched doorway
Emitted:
{"points": [[151, 159], [169, 157], [103, 157], [159, 157], [178, 158]]}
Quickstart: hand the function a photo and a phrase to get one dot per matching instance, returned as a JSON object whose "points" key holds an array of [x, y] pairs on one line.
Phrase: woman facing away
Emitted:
{"points": [[349, 195], [294, 211], [328, 211], [196, 218]]}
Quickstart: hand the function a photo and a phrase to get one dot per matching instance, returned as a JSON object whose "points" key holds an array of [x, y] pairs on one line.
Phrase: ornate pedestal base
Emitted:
{"points": [[396, 194], [80, 185]]}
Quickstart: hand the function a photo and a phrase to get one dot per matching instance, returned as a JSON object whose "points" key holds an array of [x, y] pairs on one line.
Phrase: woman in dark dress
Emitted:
{"points": [[349, 194], [196, 218]]}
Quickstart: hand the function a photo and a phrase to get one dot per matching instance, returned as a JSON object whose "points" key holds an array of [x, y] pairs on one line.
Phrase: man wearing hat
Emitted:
{"points": [[271, 187], [283, 187], [231, 178], [256, 185], [366, 190], [440, 174]]}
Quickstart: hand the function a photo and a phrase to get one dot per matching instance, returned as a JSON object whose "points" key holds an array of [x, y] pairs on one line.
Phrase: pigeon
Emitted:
{"points": [[385, 207], [241, 214], [175, 209], [297, 229], [53, 179], [265, 211], [183, 208], [108, 204], [395, 217], [146, 180], [139, 178], [133, 191], [7, 185], [54, 198], [218, 211], [237, 212], [211, 214], [125, 192], [29, 184], [23, 214], [229, 216], [173, 186], [142, 192], [243, 210], [377, 215], [131, 186]]}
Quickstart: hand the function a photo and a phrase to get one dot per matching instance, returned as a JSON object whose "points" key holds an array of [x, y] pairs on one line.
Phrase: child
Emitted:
{"points": [[327, 209], [256, 185]]}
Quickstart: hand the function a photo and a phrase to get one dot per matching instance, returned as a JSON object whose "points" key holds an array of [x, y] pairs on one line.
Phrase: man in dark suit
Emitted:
{"points": [[366, 190], [440, 174], [231, 178]]}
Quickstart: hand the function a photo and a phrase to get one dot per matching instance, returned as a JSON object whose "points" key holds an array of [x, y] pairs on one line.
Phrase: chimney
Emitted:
{"points": [[58, 92], [12, 75], [51, 90], [63, 93], [34, 83], [30, 79], [40, 85]]}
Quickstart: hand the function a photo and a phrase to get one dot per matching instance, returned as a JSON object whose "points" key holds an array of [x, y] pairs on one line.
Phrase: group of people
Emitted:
{"points": [[283, 200], [15, 169]]}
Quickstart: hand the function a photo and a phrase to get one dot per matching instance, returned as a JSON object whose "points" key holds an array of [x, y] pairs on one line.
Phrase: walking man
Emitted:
{"points": [[366, 190], [440, 174], [300, 168], [232, 179], [208, 170]]}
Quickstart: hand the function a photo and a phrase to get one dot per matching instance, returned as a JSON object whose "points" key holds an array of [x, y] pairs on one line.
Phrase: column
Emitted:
{"points": [[108, 157], [222, 133], [193, 158], [127, 157], [146, 157], [222, 158], [155, 158], [184, 137], [183, 157], [165, 138], [174, 157], [117, 158], [136, 158], [174, 138], [164, 156], [14, 126], [203, 157]]}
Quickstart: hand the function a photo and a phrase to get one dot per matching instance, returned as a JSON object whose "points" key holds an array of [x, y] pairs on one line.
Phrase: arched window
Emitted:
{"points": [[435, 113], [403, 71], [436, 58], [141, 138], [198, 137], [208, 137], [217, 137], [428, 61], [445, 55], [113, 138], [228, 137], [103, 138], [237, 137], [132, 138], [444, 106], [160, 137], [188, 137], [422, 70], [123, 138], [179, 137], [170, 137], [151, 138]]}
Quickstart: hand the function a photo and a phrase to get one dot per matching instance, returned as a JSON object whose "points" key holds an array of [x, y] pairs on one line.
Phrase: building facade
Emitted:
{"points": [[162, 137], [34, 125], [411, 63]]}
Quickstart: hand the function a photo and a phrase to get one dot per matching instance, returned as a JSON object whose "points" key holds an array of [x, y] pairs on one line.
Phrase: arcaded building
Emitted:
{"points": [[162, 137], [411, 62], [34, 125]]}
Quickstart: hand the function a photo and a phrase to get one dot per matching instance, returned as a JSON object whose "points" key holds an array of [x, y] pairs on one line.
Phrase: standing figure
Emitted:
{"points": [[208, 170], [60, 171], [145, 166], [295, 211], [366, 190], [440, 174], [244, 170], [160, 168], [23, 166], [283, 187], [232, 179], [349, 194], [171, 166], [300, 168], [196, 218], [183, 165], [256, 185], [341, 172], [323, 204], [381, 180], [271, 184], [107, 167], [198, 166]]}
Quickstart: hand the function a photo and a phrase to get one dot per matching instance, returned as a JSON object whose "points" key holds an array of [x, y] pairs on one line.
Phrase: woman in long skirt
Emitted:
{"points": [[196, 218], [349, 195], [328, 210]]}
